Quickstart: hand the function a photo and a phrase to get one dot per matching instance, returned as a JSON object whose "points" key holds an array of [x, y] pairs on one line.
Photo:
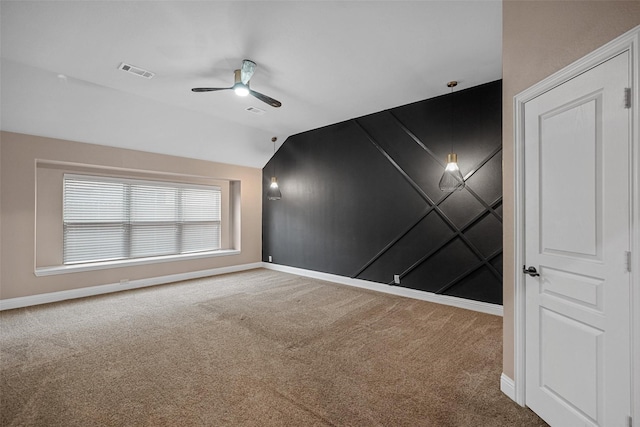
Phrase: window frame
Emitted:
{"points": [[128, 225]]}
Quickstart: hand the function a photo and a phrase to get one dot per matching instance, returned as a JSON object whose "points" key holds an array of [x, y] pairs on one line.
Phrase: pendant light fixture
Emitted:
{"points": [[452, 178], [273, 193]]}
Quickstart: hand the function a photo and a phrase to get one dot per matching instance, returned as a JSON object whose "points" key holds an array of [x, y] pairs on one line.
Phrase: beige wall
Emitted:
{"points": [[30, 172], [540, 38]]}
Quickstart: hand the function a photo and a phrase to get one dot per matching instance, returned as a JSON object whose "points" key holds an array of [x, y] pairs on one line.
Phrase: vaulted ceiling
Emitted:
{"points": [[326, 61]]}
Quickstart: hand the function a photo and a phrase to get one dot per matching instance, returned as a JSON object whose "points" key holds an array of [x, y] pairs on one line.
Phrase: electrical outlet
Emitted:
{"points": [[396, 279], [270, 258]]}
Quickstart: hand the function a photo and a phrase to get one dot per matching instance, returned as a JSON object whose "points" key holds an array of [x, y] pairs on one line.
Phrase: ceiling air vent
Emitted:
{"points": [[255, 110], [136, 70]]}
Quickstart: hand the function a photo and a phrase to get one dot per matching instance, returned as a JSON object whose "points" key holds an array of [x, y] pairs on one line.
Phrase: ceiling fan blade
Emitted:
{"points": [[247, 70], [265, 98], [209, 89]]}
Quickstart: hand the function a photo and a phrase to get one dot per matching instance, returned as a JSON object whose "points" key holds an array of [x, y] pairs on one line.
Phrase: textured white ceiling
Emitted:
{"points": [[325, 61]]}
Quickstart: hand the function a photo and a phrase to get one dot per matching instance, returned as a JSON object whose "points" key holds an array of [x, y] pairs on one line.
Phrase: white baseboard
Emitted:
{"points": [[11, 303], [508, 387], [482, 307]]}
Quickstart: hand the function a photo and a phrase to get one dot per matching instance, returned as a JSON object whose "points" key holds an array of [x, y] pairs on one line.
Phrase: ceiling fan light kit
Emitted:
{"points": [[241, 87]]}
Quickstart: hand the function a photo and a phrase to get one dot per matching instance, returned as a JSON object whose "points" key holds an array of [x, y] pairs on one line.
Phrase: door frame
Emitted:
{"points": [[629, 41]]}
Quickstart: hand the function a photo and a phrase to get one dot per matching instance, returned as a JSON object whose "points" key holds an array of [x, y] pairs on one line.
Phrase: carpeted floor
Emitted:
{"points": [[257, 348]]}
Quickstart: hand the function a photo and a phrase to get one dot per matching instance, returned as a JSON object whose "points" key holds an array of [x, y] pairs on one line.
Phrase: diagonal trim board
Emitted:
{"points": [[28, 301], [488, 208], [363, 200]]}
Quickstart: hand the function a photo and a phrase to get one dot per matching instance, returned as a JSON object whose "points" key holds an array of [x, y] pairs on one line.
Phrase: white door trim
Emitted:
{"points": [[630, 41]]}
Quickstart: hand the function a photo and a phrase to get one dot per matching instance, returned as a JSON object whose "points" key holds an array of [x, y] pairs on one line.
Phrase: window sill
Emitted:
{"points": [[76, 268]]}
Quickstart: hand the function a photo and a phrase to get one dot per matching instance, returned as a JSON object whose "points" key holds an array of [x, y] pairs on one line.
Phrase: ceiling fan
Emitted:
{"points": [[241, 84]]}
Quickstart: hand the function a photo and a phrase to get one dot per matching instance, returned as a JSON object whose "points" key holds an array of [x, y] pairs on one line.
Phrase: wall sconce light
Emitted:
{"points": [[273, 193], [452, 178]]}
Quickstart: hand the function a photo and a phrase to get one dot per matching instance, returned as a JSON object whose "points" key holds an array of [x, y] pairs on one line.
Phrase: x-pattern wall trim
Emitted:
{"points": [[434, 206], [361, 197]]}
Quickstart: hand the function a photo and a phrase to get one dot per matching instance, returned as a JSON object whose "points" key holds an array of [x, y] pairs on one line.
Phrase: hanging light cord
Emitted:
{"points": [[451, 85], [274, 139]]}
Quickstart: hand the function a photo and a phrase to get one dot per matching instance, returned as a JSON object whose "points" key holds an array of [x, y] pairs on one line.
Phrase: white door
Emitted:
{"points": [[577, 234]]}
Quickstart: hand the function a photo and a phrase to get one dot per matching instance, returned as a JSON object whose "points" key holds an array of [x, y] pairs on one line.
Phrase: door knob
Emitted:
{"points": [[531, 271]]}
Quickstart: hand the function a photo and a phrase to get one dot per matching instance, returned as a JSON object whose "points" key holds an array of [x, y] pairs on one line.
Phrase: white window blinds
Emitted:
{"points": [[108, 219]]}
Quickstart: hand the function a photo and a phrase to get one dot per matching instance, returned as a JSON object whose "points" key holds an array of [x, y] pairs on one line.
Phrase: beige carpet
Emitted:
{"points": [[257, 348]]}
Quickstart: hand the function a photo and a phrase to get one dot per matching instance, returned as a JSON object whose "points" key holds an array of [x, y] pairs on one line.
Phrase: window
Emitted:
{"points": [[113, 219]]}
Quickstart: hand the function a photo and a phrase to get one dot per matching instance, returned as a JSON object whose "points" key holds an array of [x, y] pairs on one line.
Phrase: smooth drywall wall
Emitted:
{"points": [[540, 38], [21, 157]]}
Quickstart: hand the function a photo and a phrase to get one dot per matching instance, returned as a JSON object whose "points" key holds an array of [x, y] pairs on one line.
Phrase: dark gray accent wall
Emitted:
{"points": [[361, 199]]}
